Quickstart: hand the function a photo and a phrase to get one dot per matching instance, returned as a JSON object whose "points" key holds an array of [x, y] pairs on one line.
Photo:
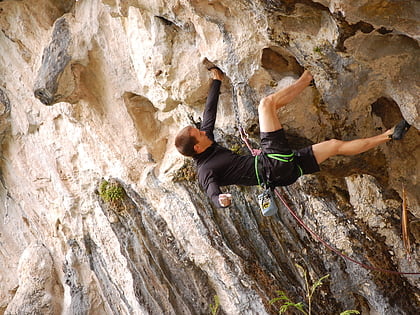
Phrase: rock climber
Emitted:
{"points": [[278, 164]]}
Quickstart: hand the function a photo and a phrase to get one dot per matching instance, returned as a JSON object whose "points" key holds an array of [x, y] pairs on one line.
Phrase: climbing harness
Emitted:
{"points": [[266, 200], [268, 207]]}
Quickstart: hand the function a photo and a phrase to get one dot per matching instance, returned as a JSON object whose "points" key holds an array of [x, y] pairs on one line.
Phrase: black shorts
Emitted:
{"points": [[282, 165]]}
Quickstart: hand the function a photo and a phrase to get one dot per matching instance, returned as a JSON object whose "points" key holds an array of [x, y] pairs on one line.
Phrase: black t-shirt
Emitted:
{"points": [[218, 166]]}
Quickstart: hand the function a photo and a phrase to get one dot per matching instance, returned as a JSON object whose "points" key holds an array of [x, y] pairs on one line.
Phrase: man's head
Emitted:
{"points": [[191, 141]]}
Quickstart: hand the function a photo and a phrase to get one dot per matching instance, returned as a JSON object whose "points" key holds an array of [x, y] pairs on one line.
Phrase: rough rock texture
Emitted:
{"points": [[38, 289], [122, 77]]}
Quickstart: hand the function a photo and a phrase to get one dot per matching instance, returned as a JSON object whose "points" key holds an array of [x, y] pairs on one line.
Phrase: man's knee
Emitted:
{"points": [[266, 104]]}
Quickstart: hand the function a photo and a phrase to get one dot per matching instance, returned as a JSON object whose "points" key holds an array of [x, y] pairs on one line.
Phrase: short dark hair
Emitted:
{"points": [[185, 143]]}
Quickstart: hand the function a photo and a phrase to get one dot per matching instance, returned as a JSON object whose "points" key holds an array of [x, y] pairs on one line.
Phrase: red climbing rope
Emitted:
{"points": [[317, 237]]}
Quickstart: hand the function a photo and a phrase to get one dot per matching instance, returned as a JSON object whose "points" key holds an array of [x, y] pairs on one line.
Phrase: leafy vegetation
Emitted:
{"points": [[310, 290], [214, 309], [111, 192], [349, 312], [186, 173], [317, 50], [287, 303]]}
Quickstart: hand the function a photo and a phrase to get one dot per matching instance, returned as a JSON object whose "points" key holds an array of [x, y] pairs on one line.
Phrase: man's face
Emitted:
{"points": [[203, 142]]}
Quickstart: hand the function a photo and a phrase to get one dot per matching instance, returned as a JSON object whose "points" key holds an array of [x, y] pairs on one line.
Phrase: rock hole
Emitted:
{"points": [[387, 109], [348, 30], [165, 20], [383, 31], [364, 27], [142, 112], [148, 127], [278, 60]]}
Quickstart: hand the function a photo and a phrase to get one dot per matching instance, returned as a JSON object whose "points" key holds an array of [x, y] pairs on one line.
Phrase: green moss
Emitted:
{"points": [[111, 192], [236, 148], [186, 173], [317, 50]]}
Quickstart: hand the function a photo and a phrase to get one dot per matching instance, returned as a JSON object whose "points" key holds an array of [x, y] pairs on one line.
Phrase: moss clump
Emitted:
{"points": [[317, 50], [186, 173], [111, 192], [236, 148]]}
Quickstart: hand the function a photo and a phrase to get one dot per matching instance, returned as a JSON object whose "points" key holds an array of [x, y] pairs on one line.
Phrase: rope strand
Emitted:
{"points": [[317, 237]]}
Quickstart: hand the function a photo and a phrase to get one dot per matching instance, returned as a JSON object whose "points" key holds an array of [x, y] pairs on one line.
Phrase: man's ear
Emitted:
{"points": [[197, 148]]}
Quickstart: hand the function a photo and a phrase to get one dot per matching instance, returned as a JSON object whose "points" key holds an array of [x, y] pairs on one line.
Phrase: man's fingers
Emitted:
{"points": [[225, 199]]}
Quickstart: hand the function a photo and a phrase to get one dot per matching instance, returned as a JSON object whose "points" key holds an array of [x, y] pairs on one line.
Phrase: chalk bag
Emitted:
{"points": [[267, 203]]}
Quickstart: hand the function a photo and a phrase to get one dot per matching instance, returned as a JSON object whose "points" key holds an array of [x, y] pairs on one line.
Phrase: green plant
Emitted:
{"points": [[185, 173], [310, 290], [317, 49], [286, 303], [111, 192], [236, 148], [215, 308]]}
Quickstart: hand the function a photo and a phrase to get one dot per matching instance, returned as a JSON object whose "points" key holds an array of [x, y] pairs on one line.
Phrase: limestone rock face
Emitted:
{"points": [[38, 288], [101, 215]]}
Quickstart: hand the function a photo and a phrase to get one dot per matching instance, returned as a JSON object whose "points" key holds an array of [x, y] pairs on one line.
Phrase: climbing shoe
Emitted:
{"points": [[400, 130]]}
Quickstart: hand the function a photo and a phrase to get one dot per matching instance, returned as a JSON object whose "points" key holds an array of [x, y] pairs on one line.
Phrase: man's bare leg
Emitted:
{"points": [[267, 109], [326, 149]]}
